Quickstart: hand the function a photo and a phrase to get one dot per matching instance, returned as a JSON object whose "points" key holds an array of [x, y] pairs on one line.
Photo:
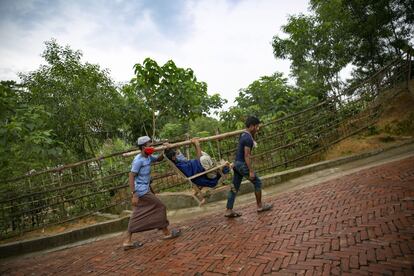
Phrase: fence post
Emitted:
{"points": [[187, 148], [218, 144]]}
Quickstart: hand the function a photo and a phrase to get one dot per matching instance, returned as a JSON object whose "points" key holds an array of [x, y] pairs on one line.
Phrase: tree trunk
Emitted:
{"points": [[154, 120]]}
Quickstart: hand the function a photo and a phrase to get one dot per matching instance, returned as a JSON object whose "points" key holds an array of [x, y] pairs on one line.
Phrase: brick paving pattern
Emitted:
{"points": [[358, 224]]}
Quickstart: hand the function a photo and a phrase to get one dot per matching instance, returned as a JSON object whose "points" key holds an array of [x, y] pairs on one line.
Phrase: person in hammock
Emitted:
{"points": [[191, 167]]}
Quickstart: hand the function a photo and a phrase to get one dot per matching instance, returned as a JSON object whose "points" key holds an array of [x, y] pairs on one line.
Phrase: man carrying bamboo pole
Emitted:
{"points": [[148, 211], [243, 168]]}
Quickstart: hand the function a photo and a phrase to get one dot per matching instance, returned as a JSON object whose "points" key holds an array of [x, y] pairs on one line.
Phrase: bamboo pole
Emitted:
{"points": [[187, 148], [218, 145], [188, 142]]}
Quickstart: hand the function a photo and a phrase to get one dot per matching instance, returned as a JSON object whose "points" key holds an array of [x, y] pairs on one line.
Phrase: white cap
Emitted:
{"points": [[142, 140]]}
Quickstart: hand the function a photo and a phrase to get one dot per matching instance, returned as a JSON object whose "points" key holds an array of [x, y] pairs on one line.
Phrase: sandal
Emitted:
{"points": [[174, 234], [265, 207], [132, 246], [232, 215]]}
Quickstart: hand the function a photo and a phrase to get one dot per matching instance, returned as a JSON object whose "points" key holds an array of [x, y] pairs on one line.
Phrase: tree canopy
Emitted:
{"points": [[68, 109], [172, 92], [366, 34], [80, 97], [26, 140], [269, 97]]}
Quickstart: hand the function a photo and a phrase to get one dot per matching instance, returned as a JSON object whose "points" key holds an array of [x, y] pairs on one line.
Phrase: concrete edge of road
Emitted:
{"points": [[172, 201]]}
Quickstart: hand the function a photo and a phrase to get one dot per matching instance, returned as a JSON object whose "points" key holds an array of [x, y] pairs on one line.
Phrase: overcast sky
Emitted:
{"points": [[226, 42]]}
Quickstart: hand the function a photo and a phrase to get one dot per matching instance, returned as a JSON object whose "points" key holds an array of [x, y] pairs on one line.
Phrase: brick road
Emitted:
{"points": [[358, 224]]}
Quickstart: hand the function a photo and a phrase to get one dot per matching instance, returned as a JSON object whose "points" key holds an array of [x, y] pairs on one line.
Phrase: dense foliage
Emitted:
{"points": [[269, 98], [67, 110], [170, 93], [26, 140], [338, 33]]}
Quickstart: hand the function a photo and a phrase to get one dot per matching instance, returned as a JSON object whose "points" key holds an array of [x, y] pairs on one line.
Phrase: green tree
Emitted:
{"points": [[317, 52], [171, 93], [269, 97], [136, 116], [376, 31], [204, 126], [234, 117], [265, 95], [81, 98], [173, 131], [366, 34], [26, 142]]}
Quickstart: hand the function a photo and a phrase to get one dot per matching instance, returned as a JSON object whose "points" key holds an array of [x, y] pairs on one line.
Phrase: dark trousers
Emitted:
{"points": [[241, 170]]}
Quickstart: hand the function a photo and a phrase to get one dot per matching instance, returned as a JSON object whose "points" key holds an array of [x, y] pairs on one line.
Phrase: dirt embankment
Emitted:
{"points": [[395, 125]]}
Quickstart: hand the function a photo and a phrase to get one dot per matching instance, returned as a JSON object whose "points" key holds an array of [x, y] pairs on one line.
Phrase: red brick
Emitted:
{"points": [[402, 263], [363, 258], [380, 253], [326, 269], [358, 237], [345, 264], [335, 271], [351, 240], [371, 255], [379, 268], [309, 272], [302, 255], [285, 262], [277, 264], [318, 250], [405, 249], [396, 249], [315, 262], [300, 266], [364, 235], [260, 269], [359, 272], [311, 253], [371, 234], [343, 242], [326, 247], [268, 267], [391, 226], [335, 244], [354, 262], [385, 228], [294, 258], [378, 231]]}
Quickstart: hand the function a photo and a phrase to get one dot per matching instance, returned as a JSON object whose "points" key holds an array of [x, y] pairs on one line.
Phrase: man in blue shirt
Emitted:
{"points": [[242, 167], [148, 211]]}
